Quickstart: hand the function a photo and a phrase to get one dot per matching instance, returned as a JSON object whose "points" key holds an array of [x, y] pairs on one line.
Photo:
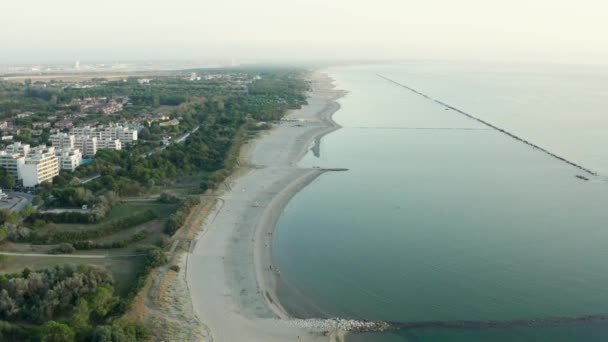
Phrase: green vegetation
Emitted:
{"points": [[78, 303], [101, 230], [3, 260], [64, 248], [7, 181], [39, 296], [71, 300], [179, 217]]}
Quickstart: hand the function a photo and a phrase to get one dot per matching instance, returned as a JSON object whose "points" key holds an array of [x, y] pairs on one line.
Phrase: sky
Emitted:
{"points": [[477, 30]]}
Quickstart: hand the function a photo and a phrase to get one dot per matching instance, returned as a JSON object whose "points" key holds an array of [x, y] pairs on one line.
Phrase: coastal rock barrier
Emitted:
{"points": [[363, 326], [342, 324], [537, 322], [578, 166]]}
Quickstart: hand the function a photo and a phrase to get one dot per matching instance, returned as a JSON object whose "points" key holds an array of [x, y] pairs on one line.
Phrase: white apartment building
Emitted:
{"points": [[86, 130], [126, 135], [12, 162], [86, 144], [40, 165], [68, 159], [113, 144], [63, 140], [18, 148]]}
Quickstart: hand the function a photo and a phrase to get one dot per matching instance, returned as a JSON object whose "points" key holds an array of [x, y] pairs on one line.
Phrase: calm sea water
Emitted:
{"points": [[440, 218]]}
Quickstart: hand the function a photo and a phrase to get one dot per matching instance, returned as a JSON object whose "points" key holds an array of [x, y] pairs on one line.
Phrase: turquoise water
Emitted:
{"points": [[440, 218]]}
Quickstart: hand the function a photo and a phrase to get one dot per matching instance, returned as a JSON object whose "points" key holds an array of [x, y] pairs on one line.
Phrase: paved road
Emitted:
{"points": [[176, 141], [25, 200], [65, 210], [91, 178]]}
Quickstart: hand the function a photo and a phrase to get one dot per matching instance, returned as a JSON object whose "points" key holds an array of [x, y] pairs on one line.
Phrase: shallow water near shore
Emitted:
{"points": [[441, 218]]}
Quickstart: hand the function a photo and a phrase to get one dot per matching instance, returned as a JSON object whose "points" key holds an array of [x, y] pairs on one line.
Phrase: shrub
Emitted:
{"points": [[103, 229], [177, 219], [57, 332], [64, 248], [168, 198]]}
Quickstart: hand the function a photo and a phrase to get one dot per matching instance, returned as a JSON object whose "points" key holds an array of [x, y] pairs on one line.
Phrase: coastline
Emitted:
{"points": [[230, 274]]}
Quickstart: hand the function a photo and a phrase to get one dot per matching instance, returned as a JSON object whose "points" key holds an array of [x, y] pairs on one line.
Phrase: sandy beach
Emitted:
{"points": [[229, 273]]}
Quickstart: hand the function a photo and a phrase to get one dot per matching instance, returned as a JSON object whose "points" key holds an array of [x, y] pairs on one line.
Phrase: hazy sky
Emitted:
{"points": [[523, 30]]}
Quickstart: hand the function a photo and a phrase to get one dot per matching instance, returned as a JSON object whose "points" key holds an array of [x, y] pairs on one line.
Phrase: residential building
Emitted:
{"points": [[126, 135], [64, 124], [87, 144], [12, 162], [173, 122], [63, 140], [69, 158], [24, 115], [40, 166], [85, 130], [113, 144], [18, 148], [40, 125]]}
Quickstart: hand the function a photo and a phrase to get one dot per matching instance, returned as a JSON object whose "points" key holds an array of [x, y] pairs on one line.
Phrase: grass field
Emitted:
{"points": [[184, 186], [123, 269], [119, 211]]}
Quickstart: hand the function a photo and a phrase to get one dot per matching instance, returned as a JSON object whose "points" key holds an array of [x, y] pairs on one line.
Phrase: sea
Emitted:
{"points": [[442, 219]]}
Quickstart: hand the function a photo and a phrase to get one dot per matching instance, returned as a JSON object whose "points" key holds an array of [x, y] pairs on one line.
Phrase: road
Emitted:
{"points": [[25, 199], [176, 141], [65, 210], [76, 256], [91, 178]]}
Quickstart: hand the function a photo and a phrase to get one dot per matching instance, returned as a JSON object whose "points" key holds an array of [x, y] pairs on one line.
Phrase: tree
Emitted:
{"points": [[103, 333], [103, 300], [3, 233], [7, 216], [27, 211], [4, 260], [37, 200], [54, 331], [80, 318], [7, 181]]}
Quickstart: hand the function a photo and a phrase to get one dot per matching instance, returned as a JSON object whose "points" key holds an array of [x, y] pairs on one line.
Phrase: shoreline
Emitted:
{"points": [[230, 274], [268, 278]]}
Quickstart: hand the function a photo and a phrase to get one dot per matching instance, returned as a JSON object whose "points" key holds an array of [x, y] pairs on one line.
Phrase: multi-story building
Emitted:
{"points": [[18, 148], [61, 124], [126, 135], [68, 158], [12, 162], [40, 166], [86, 144], [63, 140], [85, 130], [113, 144]]}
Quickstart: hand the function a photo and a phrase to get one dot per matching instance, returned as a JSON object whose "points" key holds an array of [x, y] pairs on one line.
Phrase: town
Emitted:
{"points": [[115, 175], [34, 165]]}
